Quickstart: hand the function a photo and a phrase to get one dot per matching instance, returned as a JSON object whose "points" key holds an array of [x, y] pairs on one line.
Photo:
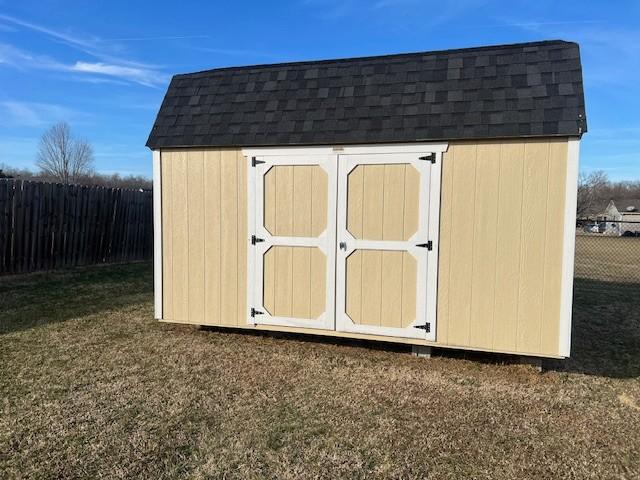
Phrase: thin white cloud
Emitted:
{"points": [[239, 52], [108, 66], [393, 3], [62, 36], [156, 38], [95, 71], [82, 77], [18, 58], [545, 24], [33, 114], [143, 76], [401, 15]]}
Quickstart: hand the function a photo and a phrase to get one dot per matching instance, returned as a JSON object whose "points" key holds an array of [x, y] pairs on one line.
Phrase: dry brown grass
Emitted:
{"points": [[611, 259], [92, 387]]}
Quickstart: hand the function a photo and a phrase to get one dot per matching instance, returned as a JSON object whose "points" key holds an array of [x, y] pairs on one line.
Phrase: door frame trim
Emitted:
{"points": [[429, 230], [439, 148], [418, 147]]}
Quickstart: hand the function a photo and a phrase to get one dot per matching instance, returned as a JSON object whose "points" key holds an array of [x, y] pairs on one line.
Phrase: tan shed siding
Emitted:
{"points": [[501, 233], [500, 256], [204, 215]]}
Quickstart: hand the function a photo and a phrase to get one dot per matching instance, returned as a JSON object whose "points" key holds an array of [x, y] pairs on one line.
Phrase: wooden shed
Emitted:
{"points": [[425, 198]]}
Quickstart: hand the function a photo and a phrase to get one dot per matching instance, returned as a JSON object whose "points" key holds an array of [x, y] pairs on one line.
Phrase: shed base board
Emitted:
{"points": [[358, 336]]}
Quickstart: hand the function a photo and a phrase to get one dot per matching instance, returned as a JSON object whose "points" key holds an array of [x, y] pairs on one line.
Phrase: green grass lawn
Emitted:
{"points": [[92, 387]]}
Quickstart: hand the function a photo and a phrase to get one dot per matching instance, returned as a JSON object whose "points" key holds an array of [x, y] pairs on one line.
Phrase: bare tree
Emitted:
{"points": [[591, 188], [64, 157]]}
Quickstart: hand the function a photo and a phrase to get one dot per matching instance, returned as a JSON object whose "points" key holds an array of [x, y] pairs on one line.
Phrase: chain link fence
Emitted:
{"points": [[608, 251]]}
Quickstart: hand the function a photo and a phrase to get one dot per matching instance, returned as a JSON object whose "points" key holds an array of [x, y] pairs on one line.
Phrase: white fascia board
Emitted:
{"points": [[569, 246]]}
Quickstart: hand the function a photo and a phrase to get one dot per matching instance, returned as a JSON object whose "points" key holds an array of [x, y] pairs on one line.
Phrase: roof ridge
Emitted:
{"points": [[372, 57]]}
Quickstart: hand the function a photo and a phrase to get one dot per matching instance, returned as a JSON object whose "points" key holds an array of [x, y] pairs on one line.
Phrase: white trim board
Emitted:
{"points": [[568, 246], [157, 236], [348, 149]]}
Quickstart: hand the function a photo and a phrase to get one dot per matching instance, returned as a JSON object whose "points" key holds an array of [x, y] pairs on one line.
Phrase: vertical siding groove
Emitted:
{"points": [[473, 242], [381, 253], [276, 251], [241, 216], [452, 192], [403, 320], [361, 319], [293, 229], [204, 235], [544, 250], [186, 161], [311, 232], [495, 256], [220, 239], [522, 205], [167, 221]]}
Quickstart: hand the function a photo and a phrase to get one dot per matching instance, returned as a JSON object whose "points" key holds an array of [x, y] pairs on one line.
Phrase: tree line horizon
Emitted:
{"points": [[64, 158]]}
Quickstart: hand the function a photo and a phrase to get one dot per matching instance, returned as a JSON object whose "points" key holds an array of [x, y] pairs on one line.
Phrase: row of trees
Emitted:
{"points": [[67, 159], [595, 189]]}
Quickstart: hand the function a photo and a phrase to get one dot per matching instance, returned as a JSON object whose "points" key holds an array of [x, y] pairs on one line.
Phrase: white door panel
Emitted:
{"points": [[345, 241], [277, 295], [387, 279]]}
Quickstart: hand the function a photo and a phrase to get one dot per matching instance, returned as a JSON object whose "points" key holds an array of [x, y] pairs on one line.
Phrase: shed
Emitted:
{"points": [[424, 198]]}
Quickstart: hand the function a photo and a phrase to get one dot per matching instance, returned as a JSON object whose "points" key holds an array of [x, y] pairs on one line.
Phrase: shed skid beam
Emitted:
{"points": [[421, 351]]}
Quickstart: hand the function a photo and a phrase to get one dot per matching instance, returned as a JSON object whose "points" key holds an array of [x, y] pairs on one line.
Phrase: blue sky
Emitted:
{"points": [[103, 65]]}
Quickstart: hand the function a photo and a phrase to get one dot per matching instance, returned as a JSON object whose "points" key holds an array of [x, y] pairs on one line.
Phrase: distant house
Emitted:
{"points": [[620, 217]]}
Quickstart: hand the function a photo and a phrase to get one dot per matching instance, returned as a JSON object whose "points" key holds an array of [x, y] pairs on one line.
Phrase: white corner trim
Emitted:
{"points": [[251, 228], [418, 147], [568, 246], [157, 236]]}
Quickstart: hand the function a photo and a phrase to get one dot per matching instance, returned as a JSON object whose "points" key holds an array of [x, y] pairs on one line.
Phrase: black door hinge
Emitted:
{"points": [[255, 161], [428, 245], [431, 158], [255, 312], [255, 240], [426, 327]]}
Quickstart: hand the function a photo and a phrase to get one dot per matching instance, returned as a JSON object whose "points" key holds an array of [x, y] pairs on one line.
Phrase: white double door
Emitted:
{"points": [[344, 242]]}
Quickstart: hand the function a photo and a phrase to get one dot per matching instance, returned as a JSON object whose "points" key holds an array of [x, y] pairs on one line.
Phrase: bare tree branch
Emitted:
{"points": [[592, 188]]}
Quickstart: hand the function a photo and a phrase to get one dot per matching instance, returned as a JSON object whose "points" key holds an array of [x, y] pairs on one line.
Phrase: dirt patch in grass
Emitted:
{"points": [[94, 388]]}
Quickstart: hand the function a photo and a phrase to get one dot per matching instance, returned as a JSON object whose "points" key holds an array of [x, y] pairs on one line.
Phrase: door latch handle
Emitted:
{"points": [[343, 246]]}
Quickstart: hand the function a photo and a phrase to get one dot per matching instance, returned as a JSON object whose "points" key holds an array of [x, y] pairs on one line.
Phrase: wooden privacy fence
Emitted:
{"points": [[45, 226]]}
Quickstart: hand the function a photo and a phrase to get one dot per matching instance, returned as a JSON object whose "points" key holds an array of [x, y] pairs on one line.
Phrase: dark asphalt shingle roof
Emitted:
{"points": [[520, 90]]}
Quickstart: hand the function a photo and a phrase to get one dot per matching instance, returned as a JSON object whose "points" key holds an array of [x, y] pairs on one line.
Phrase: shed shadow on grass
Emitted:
{"points": [[605, 336], [36, 299]]}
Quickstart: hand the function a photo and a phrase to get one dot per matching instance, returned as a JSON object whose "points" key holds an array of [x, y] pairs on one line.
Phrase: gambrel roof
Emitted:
{"points": [[519, 90]]}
